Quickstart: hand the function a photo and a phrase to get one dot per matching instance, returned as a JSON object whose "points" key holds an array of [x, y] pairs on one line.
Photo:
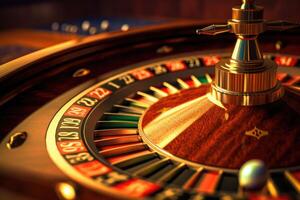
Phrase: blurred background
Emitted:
{"points": [[25, 25], [32, 13]]}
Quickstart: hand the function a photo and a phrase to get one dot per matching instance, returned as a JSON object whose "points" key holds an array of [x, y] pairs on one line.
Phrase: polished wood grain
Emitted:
{"points": [[218, 137]]}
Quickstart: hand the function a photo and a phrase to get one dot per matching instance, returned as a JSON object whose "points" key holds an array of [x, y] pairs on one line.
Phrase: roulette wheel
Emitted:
{"points": [[157, 113]]}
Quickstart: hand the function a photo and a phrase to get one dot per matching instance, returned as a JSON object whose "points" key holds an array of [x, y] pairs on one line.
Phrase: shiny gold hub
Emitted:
{"points": [[246, 84], [242, 80], [247, 99]]}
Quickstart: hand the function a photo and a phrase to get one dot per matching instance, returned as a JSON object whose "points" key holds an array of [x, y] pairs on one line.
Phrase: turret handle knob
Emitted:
{"points": [[214, 29]]}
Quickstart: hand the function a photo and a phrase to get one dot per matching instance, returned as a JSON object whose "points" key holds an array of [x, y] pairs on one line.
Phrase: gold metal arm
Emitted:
{"points": [[281, 25], [216, 29]]}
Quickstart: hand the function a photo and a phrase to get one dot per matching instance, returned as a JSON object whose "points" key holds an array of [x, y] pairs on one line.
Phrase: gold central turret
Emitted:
{"points": [[246, 78]]}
